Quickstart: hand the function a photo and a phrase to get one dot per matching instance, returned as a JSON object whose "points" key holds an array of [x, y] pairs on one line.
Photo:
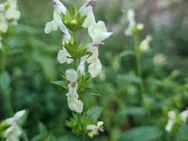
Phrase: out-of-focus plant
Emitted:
{"points": [[9, 15], [82, 59]]}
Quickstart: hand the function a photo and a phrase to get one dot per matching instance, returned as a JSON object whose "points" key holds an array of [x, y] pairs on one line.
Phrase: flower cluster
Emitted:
{"points": [[9, 15], [14, 130], [84, 56]]}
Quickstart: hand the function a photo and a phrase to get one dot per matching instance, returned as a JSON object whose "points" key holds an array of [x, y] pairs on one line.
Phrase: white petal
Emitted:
{"points": [[95, 68], [59, 5], [73, 102], [98, 32], [100, 123], [50, 26], [145, 44], [184, 115], [91, 127], [81, 66], [171, 121], [71, 75], [64, 57], [87, 11]]}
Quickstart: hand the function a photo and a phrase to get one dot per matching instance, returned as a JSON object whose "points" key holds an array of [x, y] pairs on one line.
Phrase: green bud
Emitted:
{"points": [[65, 43], [74, 23]]}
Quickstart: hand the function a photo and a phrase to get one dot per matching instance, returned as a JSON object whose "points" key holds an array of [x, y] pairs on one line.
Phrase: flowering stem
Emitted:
{"points": [[138, 64]]}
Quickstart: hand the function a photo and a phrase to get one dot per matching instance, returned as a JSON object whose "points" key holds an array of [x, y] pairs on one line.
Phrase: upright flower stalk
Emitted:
{"points": [[9, 15], [134, 30], [82, 57]]}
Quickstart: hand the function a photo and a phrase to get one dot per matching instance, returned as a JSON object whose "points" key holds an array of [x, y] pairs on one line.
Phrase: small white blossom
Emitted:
{"points": [[87, 10], [171, 121], [72, 96], [95, 129], [95, 66], [132, 23], [159, 59], [12, 12], [14, 131], [57, 22], [64, 57], [145, 44], [184, 115], [98, 32]]}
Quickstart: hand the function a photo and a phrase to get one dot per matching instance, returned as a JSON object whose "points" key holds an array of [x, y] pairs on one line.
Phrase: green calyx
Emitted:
{"points": [[75, 50], [73, 19]]}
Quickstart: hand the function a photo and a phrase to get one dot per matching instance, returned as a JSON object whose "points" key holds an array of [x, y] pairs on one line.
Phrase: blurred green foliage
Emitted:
{"points": [[32, 65]]}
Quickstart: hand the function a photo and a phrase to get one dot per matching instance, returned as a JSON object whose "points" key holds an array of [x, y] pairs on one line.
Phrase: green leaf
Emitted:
{"points": [[60, 83], [182, 133], [134, 111], [94, 113], [144, 133], [68, 138]]}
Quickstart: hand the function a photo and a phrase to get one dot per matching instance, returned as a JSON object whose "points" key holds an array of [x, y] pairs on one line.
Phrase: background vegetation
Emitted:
{"points": [[32, 66]]}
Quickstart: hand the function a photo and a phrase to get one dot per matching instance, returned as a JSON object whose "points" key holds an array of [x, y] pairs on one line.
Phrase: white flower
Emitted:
{"points": [[64, 57], [57, 22], [184, 115], [12, 12], [98, 32], [159, 59], [72, 96], [87, 10], [95, 66], [74, 103], [171, 121], [14, 131], [3, 24], [132, 23], [145, 44], [94, 129]]}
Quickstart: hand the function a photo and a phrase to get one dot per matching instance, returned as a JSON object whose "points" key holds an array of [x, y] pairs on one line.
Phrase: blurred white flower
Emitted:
{"points": [[72, 96], [171, 121], [184, 115], [57, 22], [132, 23], [14, 131], [95, 129], [98, 32], [159, 59], [12, 12], [145, 44], [64, 57]]}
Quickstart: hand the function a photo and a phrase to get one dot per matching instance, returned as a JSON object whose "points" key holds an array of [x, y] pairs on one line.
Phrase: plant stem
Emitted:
{"points": [[7, 106], [83, 137], [138, 64]]}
